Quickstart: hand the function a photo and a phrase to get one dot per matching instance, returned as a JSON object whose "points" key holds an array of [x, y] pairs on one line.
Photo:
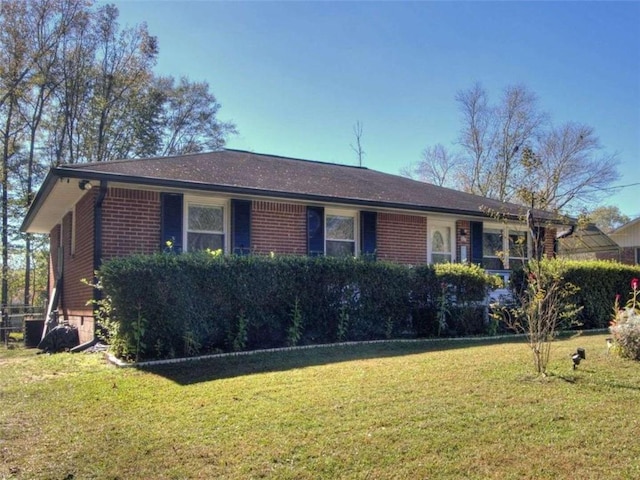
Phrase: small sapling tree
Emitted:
{"points": [[542, 303]]}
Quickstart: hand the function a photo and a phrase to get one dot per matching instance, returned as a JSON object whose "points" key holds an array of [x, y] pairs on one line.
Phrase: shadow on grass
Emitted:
{"points": [[228, 366], [594, 379]]}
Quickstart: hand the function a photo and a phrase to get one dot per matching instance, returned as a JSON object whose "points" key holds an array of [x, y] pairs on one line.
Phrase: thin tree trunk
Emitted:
{"points": [[4, 296]]}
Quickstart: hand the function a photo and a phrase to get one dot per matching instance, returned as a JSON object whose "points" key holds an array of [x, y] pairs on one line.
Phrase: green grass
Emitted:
{"points": [[377, 411]]}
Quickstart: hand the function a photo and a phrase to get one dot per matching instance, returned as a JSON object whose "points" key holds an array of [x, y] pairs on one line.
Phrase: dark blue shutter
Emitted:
{"points": [[241, 227], [368, 233], [171, 221], [476, 243], [315, 231]]}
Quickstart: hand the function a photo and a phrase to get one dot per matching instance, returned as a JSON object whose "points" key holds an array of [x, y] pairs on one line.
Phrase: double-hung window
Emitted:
{"points": [[205, 226], [518, 248], [441, 242], [340, 234], [504, 247], [493, 251]]}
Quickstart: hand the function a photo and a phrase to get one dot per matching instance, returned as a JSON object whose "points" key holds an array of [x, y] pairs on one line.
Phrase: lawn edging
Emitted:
{"points": [[123, 364]]}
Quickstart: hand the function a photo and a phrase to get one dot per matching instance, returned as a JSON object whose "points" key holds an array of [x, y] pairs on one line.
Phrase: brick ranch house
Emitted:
{"points": [[244, 202]]}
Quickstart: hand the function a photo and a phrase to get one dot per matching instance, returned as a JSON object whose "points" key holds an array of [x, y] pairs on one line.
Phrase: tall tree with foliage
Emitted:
{"points": [[607, 218], [189, 119], [29, 44], [16, 66], [122, 69], [76, 87]]}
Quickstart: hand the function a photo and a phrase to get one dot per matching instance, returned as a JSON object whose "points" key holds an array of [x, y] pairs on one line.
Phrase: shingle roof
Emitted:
{"points": [[246, 173]]}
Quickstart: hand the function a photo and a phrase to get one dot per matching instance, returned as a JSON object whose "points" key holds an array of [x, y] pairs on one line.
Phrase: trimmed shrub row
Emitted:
{"points": [[166, 305], [598, 284]]}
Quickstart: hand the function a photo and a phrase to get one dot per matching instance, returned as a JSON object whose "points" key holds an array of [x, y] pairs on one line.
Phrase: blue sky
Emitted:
{"points": [[296, 76]]}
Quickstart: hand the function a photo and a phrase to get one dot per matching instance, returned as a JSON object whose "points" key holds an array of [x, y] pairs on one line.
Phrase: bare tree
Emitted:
{"points": [[492, 136], [477, 139], [574, 170], [438, 166], [357, 132]]}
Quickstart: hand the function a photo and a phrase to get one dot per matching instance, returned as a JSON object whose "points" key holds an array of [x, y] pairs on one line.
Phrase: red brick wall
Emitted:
{"points": [[402, 238], [130, 222], [549, 242], [466, 226], [279, 228], [78, 265], [628, 255]]}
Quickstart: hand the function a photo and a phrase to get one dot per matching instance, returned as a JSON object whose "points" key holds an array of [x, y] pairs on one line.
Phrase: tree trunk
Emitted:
{"points": [[4, 296]]}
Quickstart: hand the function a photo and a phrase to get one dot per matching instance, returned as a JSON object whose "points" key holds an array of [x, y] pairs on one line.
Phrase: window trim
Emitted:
{"points": [[433, 225], [353, 214], [206, 202]]}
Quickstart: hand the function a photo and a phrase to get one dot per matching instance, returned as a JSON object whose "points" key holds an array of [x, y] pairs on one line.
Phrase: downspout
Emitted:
{"points": [[566, 233], [97, 243], [561, 235]]}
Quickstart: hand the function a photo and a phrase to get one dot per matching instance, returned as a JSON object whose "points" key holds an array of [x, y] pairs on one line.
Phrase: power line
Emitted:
{"points": [[620, 186]]}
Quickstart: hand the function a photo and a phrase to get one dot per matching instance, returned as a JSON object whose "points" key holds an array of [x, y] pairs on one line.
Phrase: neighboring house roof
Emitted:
{"points": [[586, 239], [627, 235], [244, 173]]}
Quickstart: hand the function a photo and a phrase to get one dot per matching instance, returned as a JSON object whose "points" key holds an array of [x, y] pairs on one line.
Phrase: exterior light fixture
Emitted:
{"points": [[85, 185], [463, 235]]}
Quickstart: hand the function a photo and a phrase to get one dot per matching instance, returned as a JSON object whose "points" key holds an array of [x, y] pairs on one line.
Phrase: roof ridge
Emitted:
{"points": [[296, 159], [130, 160], [80, 166]]}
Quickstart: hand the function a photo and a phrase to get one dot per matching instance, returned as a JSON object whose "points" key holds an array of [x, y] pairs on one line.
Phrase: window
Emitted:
{"points": [[441, 243], [504, 248], [340, 236], [637, 256], [492, 249], [205, 227], [517, 248]]}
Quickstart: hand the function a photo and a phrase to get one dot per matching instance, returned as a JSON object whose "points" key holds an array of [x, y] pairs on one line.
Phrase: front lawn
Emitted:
{"points": [[374, 411]]}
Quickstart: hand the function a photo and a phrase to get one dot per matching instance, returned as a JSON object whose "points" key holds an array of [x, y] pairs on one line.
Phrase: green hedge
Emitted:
{"points": [[167, 305], [598, 284]]}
